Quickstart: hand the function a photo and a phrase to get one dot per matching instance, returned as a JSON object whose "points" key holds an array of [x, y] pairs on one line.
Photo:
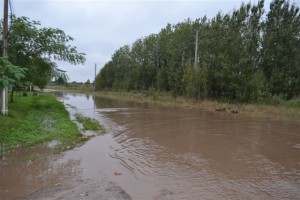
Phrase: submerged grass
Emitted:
{"points": [[37, 119], [89, 124]]}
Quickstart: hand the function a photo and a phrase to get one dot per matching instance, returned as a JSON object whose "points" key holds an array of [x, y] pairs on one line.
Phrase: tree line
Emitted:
{"points": [[246, 55]]}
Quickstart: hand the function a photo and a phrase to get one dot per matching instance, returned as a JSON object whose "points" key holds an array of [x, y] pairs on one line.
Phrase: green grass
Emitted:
{"points": [[89, 124], [37, 119], [294, 103]]}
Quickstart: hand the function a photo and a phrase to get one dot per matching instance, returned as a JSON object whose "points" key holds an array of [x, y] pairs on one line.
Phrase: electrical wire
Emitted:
{"points": [[12, 7], [11, 16]]}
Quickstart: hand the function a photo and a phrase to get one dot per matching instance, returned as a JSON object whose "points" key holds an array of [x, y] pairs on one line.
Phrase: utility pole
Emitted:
{"points": [[95, 77], [196, 51], [4, 105]]}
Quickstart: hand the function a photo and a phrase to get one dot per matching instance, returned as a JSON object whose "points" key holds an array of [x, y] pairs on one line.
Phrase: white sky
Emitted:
{"points": [[100, 27]]}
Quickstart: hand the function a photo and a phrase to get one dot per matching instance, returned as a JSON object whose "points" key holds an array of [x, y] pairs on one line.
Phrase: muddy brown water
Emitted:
{"points": [[168, 153]]}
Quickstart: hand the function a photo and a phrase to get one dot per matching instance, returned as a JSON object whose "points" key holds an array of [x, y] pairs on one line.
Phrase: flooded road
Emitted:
{"points": [[154, 153]]}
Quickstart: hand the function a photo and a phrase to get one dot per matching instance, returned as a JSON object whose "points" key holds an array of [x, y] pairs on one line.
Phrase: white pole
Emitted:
{"points": [[4, 54], [196, 51], [95, 77], [4, 111]]}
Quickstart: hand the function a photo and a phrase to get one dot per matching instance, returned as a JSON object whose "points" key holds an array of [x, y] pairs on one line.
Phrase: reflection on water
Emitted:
{"points": [[181, 153]]}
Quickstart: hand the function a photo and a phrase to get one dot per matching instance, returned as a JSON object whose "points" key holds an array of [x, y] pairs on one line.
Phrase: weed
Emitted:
{"points": [[89, 124]]}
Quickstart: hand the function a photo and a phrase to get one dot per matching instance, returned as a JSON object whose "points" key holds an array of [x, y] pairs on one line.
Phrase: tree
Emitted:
{"points": [[243, 56], [35, 48], [10, 74], [281, 49]]}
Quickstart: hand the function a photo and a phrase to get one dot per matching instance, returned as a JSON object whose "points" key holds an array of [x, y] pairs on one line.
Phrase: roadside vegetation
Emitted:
{"points": [[275, 109], [31, 62], [77, 87], [248, 56], [33, 50], [37, 119]]}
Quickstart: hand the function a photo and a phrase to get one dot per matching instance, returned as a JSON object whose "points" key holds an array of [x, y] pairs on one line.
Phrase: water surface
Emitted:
{"points": [[176, 153]]}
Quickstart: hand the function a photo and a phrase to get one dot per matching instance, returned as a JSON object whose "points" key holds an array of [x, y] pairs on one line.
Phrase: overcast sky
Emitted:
{"points": [[100, 27]]}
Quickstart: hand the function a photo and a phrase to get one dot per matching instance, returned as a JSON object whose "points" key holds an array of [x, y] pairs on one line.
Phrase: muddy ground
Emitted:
{"points": [[78, 188]]}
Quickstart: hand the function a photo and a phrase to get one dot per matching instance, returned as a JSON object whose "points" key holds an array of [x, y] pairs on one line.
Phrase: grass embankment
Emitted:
{"points": [[274, 108], [37, 119]]}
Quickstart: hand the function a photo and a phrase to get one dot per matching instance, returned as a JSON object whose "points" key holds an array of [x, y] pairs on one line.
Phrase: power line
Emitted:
{"points": [[12, 7]]}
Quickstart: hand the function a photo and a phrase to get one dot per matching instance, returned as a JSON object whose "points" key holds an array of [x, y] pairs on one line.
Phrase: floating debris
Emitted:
{"points": [[118, 174]]}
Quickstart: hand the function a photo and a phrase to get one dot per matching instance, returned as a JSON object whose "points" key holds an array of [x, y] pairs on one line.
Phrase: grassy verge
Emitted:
{"points": [[37, 119], [274, 109], [281, 110], [89, 124]]}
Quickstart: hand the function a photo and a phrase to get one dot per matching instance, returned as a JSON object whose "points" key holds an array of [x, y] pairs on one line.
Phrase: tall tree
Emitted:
{"points": [[243, 56], [281, 49]]}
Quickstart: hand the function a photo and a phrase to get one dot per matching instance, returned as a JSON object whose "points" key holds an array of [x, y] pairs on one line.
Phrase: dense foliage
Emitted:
{"points": [[10, 74], [246, 55], [36, 49]]}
